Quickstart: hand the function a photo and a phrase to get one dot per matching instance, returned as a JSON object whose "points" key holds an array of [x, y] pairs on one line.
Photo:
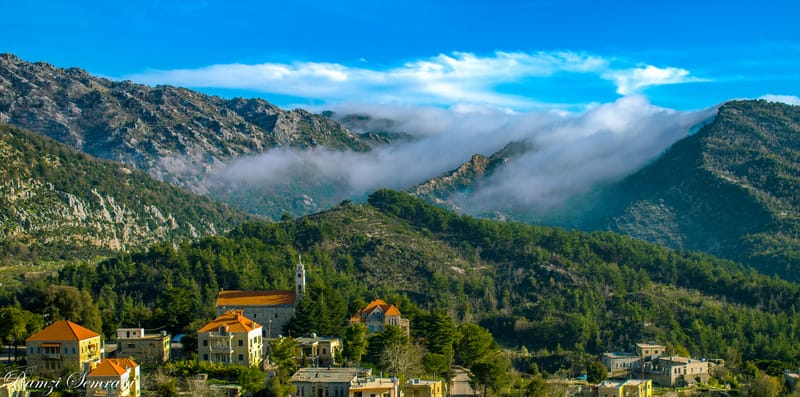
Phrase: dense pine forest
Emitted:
{"points": [[561, 294]]}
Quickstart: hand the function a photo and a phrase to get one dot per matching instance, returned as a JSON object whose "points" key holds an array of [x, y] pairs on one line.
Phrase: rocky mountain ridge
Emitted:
{"points": [[174, 134], [56, 203]]}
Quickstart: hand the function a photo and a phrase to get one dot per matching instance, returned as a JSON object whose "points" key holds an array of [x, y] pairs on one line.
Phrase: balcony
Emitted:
{"points": [[51, 356], [220, 348]]}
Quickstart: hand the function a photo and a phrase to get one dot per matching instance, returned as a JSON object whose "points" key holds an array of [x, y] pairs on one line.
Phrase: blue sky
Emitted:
{"points": [[516, 55]]}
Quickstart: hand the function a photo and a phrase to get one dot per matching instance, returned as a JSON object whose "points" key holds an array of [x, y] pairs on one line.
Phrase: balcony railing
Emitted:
{"points": [[220, 348], [52, 356]]}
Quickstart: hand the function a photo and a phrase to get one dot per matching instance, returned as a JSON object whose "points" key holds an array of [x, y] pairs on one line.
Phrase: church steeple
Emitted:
{"points": [[300, 279]]}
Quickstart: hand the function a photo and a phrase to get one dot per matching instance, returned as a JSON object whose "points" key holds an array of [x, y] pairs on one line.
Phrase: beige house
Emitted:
{"points": [[231, 338], [423, 388], [63, 345], [114, 377], [147, 349], [377, 314], [650, 351], [317, 350], [677, 371]]}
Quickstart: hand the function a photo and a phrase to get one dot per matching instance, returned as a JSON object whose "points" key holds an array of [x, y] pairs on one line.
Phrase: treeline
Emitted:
{"points": [[549, 290]]}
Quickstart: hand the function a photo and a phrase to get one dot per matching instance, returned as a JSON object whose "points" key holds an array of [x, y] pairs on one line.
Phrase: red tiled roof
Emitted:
{"points": [[107, 367], [389, 310], [63, 330], [255, 298], [233, 320]]}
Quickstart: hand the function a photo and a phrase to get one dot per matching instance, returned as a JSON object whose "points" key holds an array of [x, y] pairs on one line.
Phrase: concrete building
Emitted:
{"points": [[375, 387], [318, 351], [677, 371], [146, 349], [231, 338], [621, 364], [63, 346], [423, 388], [272, 309], [114, 377], [325, 382], [377, 314]]}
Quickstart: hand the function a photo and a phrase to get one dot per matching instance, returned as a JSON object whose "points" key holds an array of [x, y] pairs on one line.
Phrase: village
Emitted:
{"points": [[247, 320]]}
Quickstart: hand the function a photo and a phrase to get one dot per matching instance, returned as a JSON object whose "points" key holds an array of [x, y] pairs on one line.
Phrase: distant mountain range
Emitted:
{"points": [[58, 203], [176, 135], [731, 189]]}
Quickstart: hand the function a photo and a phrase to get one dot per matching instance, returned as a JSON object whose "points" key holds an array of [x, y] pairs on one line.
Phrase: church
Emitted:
{"points": [[271, 309]]}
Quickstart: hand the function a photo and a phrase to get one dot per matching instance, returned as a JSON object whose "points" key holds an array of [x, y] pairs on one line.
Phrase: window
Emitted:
{"points": [[31, 349], [241, 342], [205, 357], [73, 350], [205, 342], [276, 315], [241, 357]]}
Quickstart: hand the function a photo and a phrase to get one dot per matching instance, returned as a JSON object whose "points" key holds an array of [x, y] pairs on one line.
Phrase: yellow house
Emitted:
{"points": [[63, 345], [423, 388], [231, 338], [114, 377], [627, 388]]}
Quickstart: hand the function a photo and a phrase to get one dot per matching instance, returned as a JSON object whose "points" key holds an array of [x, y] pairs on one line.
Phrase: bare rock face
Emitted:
{"points": [[57, 203], [174, 134]]}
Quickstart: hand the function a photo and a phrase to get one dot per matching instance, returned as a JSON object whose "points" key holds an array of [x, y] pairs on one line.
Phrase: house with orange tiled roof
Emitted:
{"points": [[114, 377], [377, 314], [273, 309], [63, 346], [231, 338]]}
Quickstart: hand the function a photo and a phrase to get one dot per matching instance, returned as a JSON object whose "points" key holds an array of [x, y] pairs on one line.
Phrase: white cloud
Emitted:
{"points": [[572, 151], [631, 81], [445, 79], [787, 99]]}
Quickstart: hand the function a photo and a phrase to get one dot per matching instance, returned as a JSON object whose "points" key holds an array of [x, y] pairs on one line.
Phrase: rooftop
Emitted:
{"points": [[255, 298], [387, 309], [233, 320], [336, 375], [107, 367], [63, 330]]}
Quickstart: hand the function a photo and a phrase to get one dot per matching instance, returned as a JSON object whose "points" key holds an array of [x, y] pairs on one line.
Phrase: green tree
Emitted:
{"points": [[17, 324], [538, 387], [596, 372], [378, 342], [491, 372], [281, 353], [62, 302], [355, 342], [762, 385], [473, 343]]}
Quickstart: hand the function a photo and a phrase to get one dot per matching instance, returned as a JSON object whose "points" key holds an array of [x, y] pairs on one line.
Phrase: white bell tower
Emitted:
{"points": [[300, 279]]}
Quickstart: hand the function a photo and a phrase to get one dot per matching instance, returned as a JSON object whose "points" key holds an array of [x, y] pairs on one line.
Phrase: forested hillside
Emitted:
{"points": [[732, 190], [539, 287]]}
